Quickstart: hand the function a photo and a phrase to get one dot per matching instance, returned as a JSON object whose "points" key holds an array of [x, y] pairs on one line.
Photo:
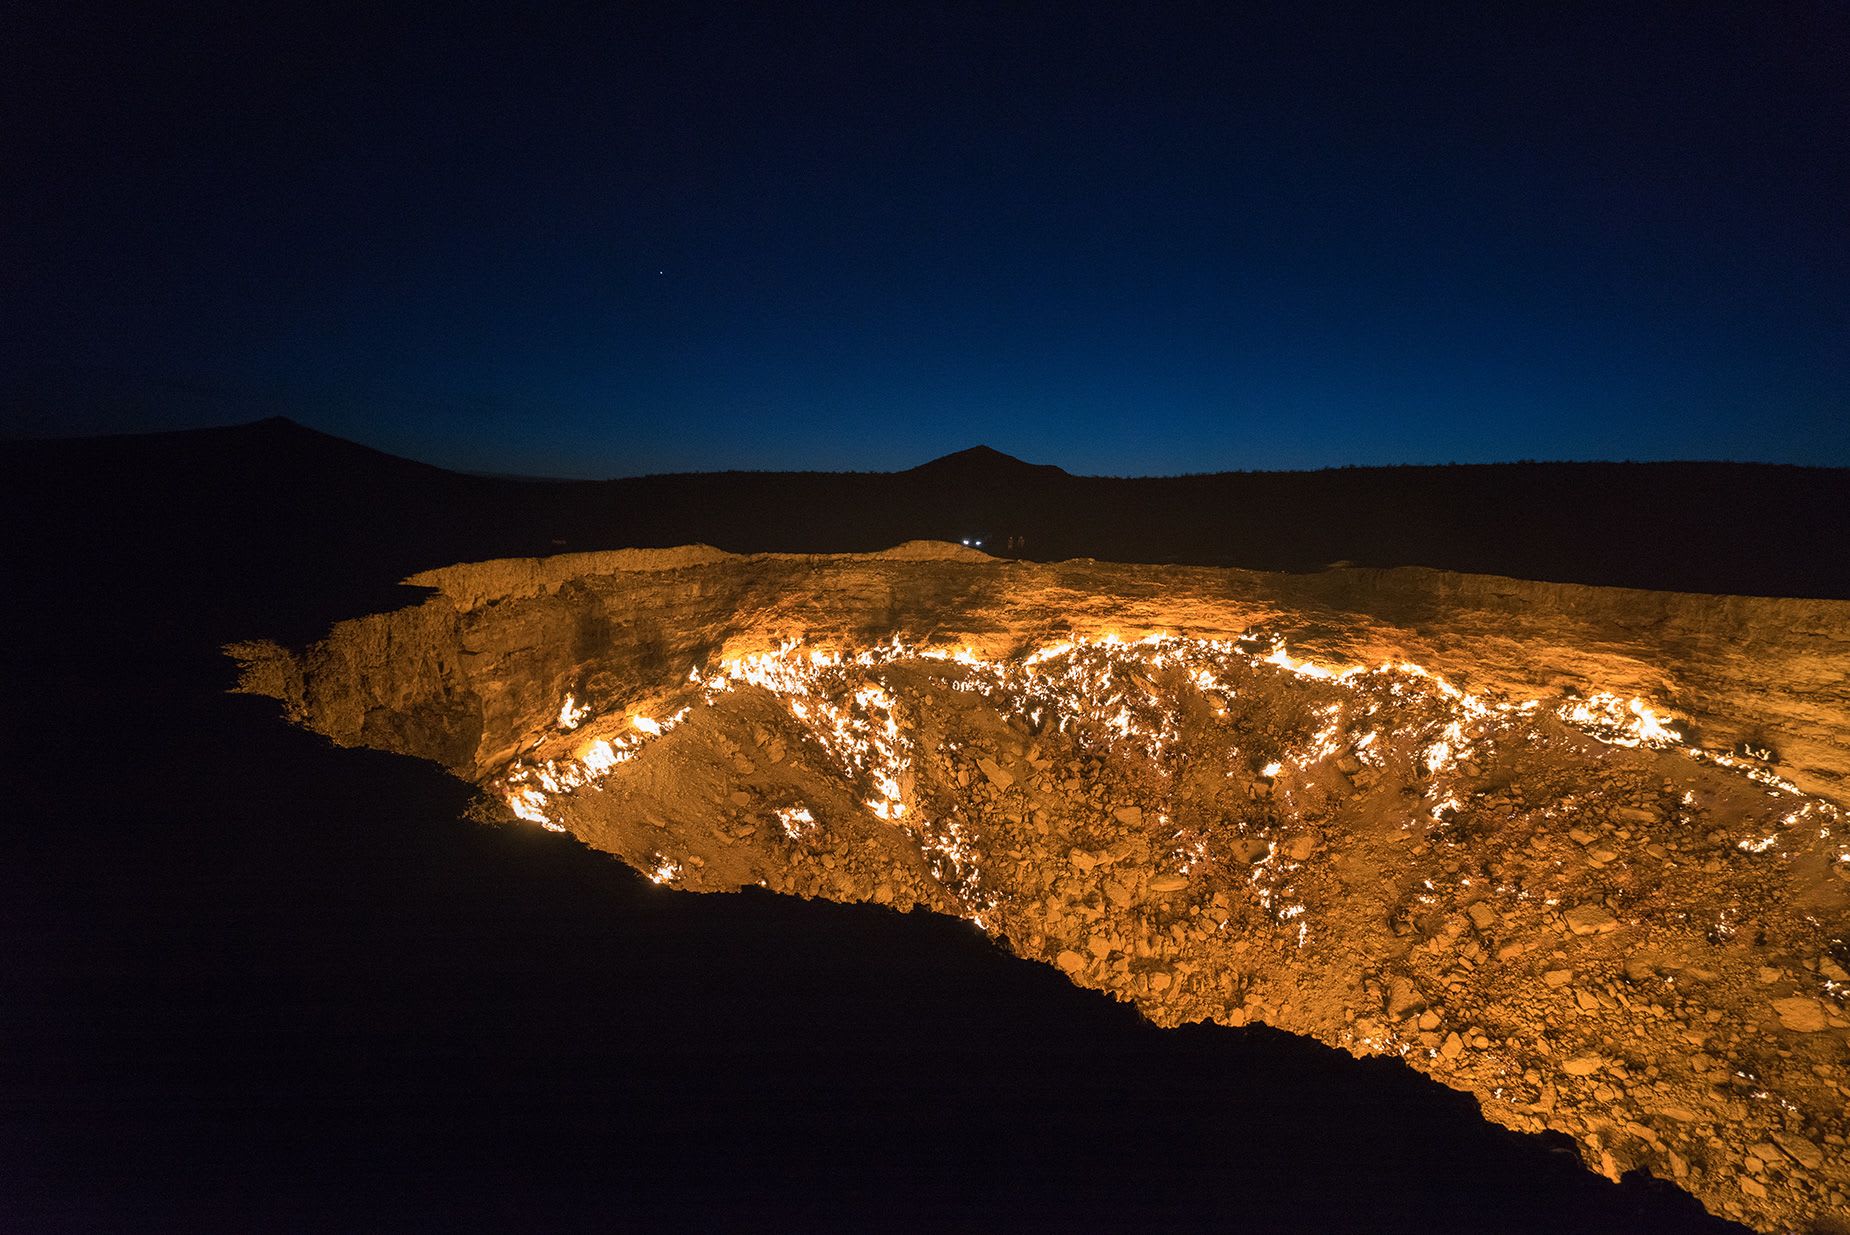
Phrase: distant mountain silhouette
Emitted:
{"points": [[313, 507], [983, 463]]}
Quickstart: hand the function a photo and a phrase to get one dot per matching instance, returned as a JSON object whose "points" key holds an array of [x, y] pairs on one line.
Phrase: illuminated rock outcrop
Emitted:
{"points": [[1576, 851]]}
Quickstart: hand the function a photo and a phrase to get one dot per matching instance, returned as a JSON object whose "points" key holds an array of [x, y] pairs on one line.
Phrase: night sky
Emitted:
{"points": [[1122, 239]]}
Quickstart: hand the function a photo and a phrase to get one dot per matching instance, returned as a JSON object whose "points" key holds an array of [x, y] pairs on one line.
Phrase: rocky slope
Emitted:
{"points": [[1577, 851]]}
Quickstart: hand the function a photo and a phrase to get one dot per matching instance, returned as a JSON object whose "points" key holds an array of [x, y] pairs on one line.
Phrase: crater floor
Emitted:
{"points": [[1530, 838]]}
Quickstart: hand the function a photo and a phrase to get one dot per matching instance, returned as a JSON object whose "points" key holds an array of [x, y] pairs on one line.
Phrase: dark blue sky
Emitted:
{"points": [[1122, 239]]}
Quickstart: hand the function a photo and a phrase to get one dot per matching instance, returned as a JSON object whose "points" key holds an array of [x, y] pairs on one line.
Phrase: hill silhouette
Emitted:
{"points": [[981, 464]]}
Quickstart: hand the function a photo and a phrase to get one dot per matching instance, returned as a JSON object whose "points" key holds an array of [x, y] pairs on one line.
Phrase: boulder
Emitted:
{"points": [[1590, 920], [1800, 1014]]}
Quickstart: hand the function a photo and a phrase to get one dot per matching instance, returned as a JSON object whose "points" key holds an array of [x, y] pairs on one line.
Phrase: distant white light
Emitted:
{"points": [[966, 540]]}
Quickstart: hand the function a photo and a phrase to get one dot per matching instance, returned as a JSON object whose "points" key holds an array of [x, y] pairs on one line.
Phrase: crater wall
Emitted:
{"points": [[1576, 851]]}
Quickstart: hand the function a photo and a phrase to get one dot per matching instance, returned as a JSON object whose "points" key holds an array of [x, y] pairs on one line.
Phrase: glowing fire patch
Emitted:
{"points": [[797, 821], [1077, 685]]}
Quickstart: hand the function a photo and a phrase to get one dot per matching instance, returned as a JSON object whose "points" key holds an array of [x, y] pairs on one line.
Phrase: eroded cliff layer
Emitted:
{"points": [[1576, 851]]}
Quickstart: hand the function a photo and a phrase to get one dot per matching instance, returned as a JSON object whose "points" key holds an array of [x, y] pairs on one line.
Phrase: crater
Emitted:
{"points": [[1529, 838]]}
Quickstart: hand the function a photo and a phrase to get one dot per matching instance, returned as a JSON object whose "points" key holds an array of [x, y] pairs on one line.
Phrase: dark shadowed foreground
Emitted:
{"points": [[258, 982]]}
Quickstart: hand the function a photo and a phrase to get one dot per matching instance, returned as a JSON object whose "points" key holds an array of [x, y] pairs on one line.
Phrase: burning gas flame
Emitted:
{"points": [[1079, 685]]}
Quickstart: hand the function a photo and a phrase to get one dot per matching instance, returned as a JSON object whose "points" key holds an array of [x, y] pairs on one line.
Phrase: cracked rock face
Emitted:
{"points": [[1576, 851]]}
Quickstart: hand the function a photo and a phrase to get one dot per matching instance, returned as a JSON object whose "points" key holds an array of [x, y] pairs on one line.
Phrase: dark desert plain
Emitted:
{"points": [[258, 981]]}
